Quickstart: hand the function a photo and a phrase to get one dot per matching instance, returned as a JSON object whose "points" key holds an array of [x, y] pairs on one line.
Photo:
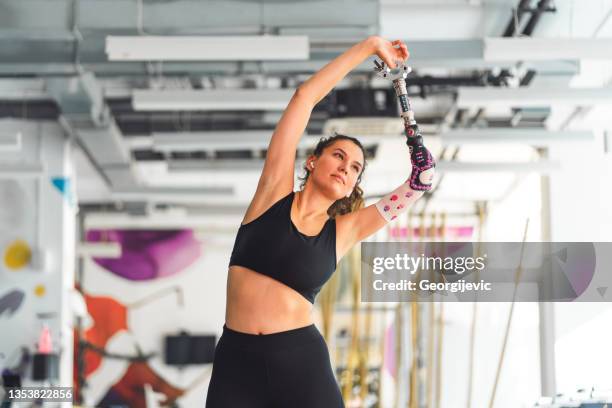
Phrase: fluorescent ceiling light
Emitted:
{"points": [[537, 137], [192, 195], [224, 165], [542, 166], [532, 49], [469, 97], [213, 99], [364, 126], [207, 48], [216, 140]]}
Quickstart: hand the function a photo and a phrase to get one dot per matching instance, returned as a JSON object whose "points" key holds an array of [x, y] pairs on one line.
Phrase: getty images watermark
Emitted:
{"points": [[486, 271]]}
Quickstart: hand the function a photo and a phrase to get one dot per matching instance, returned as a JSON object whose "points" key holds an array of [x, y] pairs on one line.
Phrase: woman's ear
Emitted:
{"points": [[310, 162]]}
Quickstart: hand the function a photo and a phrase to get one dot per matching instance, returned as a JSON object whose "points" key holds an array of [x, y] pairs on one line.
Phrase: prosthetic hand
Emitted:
{"points": [[423, 163]]}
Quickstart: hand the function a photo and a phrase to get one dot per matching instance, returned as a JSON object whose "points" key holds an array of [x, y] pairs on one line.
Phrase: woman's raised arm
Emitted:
{"points": [[277, 176], [278, 171]]}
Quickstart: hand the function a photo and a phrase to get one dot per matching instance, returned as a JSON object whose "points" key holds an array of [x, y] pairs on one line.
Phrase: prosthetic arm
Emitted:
{"points": [[423, 163]]}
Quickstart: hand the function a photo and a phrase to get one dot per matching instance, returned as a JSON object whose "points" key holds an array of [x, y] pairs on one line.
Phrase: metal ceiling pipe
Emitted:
{"points": [[516, 22], [513, 24], [543, 6]]}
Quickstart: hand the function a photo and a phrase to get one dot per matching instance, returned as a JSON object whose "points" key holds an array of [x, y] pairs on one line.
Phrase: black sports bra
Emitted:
{"points": [[273, 246]]}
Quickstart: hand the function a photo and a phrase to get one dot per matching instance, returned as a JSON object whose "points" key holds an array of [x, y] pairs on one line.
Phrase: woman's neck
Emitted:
{"points": [[311, 205]]}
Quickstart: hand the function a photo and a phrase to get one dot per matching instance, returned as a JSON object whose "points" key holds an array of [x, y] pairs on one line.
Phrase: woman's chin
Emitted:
{"points": [[338, 194], [333, 190]]}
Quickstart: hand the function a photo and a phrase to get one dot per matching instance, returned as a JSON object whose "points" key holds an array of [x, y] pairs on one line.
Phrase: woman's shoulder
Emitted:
{"points": [[264, 203]]}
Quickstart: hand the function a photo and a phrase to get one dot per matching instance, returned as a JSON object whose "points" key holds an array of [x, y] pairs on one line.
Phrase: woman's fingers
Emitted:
{"points": [[399, 43], [393, 51], [402, 49]]}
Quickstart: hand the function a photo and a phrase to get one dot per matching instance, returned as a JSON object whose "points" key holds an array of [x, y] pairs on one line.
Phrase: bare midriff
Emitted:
{"points": [[258, 304]]}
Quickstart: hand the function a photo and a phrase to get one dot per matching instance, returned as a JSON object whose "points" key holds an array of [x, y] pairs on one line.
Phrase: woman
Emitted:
{"points": [[287, 247]]}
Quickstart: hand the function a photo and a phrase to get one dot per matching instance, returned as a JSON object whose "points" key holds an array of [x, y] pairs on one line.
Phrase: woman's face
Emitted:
{"points": [[337, 169]]}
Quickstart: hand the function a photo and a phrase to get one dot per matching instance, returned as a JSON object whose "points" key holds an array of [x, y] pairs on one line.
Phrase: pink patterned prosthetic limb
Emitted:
{"points": [[398, 201], [423, 164]]}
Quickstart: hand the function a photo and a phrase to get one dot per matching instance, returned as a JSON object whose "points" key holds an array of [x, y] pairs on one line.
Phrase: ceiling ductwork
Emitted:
{"points": [[159, 122], [86, 116]]}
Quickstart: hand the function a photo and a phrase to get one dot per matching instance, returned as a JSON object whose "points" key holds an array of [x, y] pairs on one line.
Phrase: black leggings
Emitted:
{"points": [[286, 369]]}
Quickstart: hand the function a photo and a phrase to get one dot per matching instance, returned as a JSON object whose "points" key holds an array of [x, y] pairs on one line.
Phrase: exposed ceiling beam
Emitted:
{"points": [[21, 56], [210, 166], [532, 97], [537, 49], [187, 17], [218, 140], [207, 48], [213, 99]]}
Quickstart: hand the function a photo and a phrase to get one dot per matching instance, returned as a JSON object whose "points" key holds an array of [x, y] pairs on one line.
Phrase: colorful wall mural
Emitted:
{"points": [[156, 288]]}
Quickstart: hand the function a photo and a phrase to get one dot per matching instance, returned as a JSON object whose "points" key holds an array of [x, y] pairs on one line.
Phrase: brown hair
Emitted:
{"points": [[355, 200]]}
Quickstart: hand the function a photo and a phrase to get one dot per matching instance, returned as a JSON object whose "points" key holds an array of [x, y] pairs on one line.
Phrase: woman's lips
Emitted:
{"points": [[338, 178]]}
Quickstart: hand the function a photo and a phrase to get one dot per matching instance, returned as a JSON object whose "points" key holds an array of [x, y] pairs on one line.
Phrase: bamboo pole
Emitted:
{"points": [[430, 354], [398, 351], [517, 278], [431, 330], [354, 347], [415, 326], [383, 348], [365, 349], [414, 313], [481, 207], [440, 324]]}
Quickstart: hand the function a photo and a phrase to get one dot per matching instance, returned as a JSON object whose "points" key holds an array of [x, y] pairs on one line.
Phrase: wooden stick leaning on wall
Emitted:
{"points": [[398, 352], [440, 325], [383, 343], [366, 343], [382, 328], [353, 354], [398, 333], [415, 329], [429, 369], [517, 279], [481, 207]]}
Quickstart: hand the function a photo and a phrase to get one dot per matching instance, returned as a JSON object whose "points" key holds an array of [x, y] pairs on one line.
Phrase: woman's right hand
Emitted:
{"points": [[390, 51]]}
